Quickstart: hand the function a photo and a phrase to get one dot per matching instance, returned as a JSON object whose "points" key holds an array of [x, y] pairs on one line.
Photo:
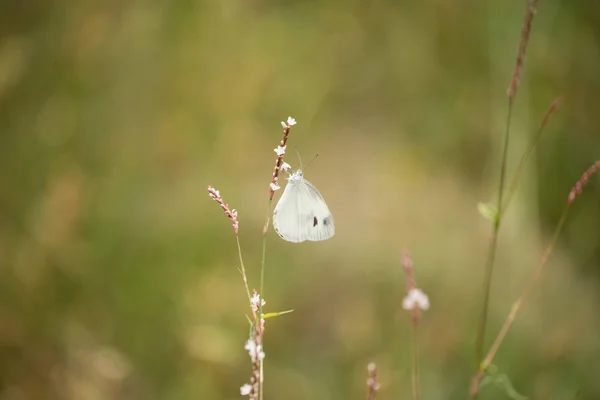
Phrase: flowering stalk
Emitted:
{"points": [[280, 151], [525, 32], [578, 188], [511, 94], [273, 186], [232, 215], [255, 350], [573, 194], [254, 344], [552, 109], [372, 382], [415, 301]]}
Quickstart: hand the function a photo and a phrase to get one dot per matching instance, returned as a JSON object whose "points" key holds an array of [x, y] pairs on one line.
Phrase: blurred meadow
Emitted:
{"points": [[118, 273]]}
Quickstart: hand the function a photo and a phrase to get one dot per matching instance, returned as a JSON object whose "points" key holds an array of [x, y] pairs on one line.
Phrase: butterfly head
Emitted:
{"points": [[296, 176]]}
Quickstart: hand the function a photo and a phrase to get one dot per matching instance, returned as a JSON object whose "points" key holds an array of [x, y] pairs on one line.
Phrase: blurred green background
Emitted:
{"points": [[118, 274]]}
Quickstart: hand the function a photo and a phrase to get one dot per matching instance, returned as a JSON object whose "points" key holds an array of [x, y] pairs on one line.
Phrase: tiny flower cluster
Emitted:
{"points": [[246, 389], [254, 344], [290, 122], [578, 188], [416, 300], [255, 350], [231, 214], [256, 302], [372, 382], [280, 151]]}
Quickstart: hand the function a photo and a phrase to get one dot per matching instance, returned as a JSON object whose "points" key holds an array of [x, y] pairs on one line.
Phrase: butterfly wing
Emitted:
{"points": [[302, 214], [285, 215]]}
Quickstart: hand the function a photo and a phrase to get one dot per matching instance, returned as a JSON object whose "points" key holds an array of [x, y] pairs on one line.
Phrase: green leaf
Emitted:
{"points": [[276, 314], [502, 381], [489, 211]]}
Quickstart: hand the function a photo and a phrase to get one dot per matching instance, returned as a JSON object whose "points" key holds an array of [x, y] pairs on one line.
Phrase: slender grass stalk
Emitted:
{"points": [[264, 253], [518, 305], [415, 363], [415, 302], [526, 293], [253, 345], [262, 288], [280, 151], [243, 269], [511, 94], [256, 302], [516, 178], [552, 109], [476, 384], [502, 209], [503, 167], [489, 267]]}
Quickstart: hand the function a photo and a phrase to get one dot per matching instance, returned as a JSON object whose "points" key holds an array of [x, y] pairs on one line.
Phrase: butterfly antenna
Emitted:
{"points": [[299, 158], [313, 159]]}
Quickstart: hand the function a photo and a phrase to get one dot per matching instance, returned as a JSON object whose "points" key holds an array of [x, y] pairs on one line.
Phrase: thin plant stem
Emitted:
{"points": [[487, 283], [485, 364], [243, 270], [264, 254], [415, 306], [531, 146], [502, 209], [256, 318], [526, 293], [503, 166], [415, 362], [511, 94], [262, 287], [489, 268], [280, 151], [476, 386]]}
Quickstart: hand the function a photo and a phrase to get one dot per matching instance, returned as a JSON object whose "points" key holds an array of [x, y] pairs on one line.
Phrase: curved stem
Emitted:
{"points": [[531, 146], [243, 270], [517, 307], [489, 269]]}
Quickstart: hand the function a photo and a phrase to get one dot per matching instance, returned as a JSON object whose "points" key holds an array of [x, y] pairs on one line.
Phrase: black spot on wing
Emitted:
{"points": [[326, 221], [315, 221]]}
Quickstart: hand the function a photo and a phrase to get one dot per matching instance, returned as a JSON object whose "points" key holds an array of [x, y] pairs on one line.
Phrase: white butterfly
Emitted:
{"points": [[301, 213]]}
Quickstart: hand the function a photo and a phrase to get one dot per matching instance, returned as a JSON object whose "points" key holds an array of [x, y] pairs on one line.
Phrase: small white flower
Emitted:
{"points": [[254, 351], [245, 390], [415, 298], [261, 354], [274, 187], [251, 347], [285, 166], [215, 195], [255, 301], [280, 150], [283, 125], [291, 121]]}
